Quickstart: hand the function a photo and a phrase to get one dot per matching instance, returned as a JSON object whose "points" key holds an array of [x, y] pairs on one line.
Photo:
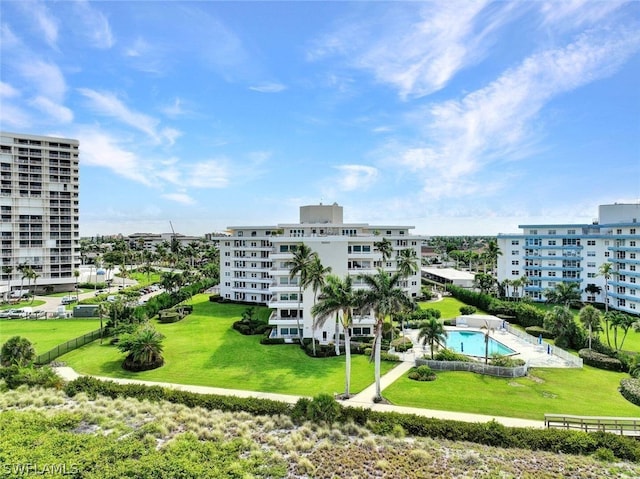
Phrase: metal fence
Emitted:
{"points": [[474, 367], [561, 353], [64, 348]]}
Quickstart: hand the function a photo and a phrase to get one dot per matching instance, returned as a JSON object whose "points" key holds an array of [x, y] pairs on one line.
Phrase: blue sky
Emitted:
{"points": [[456, 117]]}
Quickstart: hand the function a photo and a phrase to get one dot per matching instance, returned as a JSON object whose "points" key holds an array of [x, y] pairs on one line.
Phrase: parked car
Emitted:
{"points": [[6, 313], [38, 314], [21, 313], [67, 300]]}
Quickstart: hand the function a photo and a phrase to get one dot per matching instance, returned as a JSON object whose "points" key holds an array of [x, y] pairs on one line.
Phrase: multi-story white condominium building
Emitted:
{"points": [[548, 254], [255, 265], [39, 186]]}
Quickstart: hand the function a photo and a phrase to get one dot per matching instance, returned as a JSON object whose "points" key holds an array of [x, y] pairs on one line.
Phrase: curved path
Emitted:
{"points": [[362, 399]]}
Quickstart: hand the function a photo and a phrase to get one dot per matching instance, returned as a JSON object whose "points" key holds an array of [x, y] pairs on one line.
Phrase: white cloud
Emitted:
{"points": [[356, 177], [94, 25], [100, 149], [7, 91], [206, 174], [59, 113], [496, 123], [45, 20], [268, 88], [574, 13], [182, 198], [46, 78], [109, 105], [14, 117], [418, 51]]}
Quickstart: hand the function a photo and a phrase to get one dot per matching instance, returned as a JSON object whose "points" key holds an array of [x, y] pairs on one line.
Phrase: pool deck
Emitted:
{"points": [[536, 355]]}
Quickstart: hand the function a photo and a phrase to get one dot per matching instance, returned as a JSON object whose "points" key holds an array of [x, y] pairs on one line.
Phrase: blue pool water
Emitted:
{"points": [[471, 343]]}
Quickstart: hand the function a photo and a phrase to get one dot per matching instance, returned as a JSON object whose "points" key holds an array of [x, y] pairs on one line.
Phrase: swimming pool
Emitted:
{"points": [[471, 343]]}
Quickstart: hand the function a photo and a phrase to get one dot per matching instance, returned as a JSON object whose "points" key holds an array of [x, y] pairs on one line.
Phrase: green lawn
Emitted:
{"points": [[202, 349], [46, 334], [23, 304], [587, 391], [448, 306], [143, 279]]}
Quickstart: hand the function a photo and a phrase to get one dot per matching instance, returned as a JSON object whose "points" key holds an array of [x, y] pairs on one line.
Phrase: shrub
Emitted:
{"points": [[384, 356], [600, 361], [422, 373], [468, 310], [450, 355], [268, 340], [17, 350], [506, 361], [402, 344], [15, 376], [536, 331], [324, 409], [630, 390], [169, 316]]}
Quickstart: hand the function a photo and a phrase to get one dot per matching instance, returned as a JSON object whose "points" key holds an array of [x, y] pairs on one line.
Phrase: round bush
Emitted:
{"points": [[422, 373]]}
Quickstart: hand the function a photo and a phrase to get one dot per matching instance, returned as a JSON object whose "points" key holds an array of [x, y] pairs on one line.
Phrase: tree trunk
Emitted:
{"points": [[336, 336], [376, 359], [347, 372]]}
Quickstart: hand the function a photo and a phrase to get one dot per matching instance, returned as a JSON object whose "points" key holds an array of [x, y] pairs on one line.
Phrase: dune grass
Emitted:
{"points": [[204, 350], [46, 334]]}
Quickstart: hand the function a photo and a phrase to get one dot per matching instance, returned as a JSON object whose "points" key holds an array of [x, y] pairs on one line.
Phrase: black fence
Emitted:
{"points": [[64, 348]]}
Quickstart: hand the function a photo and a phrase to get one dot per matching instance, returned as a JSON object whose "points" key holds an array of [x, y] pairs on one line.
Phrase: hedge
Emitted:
{"points": [[600, 361], [536, 331], [491, 433], [630, 390]]}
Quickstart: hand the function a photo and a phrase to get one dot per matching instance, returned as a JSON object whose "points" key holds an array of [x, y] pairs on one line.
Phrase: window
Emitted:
{"points": [[632, 280], [606, 254], [552, 242], [515, 262], [515, 252], [591, 253], [632, 255], [591, 242], [571, 232], [552, 232], [632, 231], [552, 253], [591, 275], [632, 243], [515, 242], [515, 273], [591, 265], [551, 284], [552, 273], [632, 267]]}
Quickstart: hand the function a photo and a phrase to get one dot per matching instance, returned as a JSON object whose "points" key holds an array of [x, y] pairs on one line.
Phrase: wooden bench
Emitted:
{"points": [[626, 426]]}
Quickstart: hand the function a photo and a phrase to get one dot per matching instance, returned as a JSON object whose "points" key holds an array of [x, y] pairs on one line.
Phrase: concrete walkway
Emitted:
{"points": [[363, 399]]}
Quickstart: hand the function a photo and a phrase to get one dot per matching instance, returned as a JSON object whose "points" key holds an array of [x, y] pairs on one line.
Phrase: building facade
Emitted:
{"points": [[544, 255], [255, 265], [39, 203]]}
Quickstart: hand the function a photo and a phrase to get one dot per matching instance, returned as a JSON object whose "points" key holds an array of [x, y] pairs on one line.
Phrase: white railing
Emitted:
{"points": [[561, 353]]}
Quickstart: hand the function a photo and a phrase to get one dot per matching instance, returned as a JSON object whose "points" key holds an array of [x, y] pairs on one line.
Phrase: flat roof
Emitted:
{"points": [[450, 273]]}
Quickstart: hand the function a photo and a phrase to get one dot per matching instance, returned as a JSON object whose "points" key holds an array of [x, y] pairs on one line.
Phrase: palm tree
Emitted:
{"points": [[384, 297], [144, 347], [34, 276], [432, 332], [564, 293], [407, 261], [300, 264], [558, 320], [7, 270], [492, 253], [337, 297], [385, 248], [505, 284], [606, 270], [316, 277], [76, 274], [590, 318], [622, 321]]}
